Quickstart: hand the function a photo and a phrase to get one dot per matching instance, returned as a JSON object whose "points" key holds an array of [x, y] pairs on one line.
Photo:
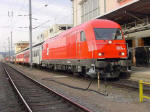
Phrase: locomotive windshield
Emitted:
{"points": [[108, 34]]}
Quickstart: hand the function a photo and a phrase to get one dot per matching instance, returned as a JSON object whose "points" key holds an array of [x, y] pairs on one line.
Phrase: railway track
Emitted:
{"points": [[38, 98], [8, 99], [123, 82]]}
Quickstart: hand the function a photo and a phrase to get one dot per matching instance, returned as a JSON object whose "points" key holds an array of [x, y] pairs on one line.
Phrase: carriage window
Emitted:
{"points": [[37, 53], [82, 36], [108, 34]]}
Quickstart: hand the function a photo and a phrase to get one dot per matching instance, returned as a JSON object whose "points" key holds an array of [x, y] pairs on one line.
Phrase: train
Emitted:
{"points": [[97, 46]]}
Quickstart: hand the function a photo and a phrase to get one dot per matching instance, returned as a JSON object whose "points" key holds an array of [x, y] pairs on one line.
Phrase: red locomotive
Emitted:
{"points": [[95, 46]]}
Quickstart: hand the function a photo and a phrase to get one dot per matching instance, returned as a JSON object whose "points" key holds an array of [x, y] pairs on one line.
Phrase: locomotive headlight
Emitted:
{"points": [[99, 54], [109, 42], [122, 53]]}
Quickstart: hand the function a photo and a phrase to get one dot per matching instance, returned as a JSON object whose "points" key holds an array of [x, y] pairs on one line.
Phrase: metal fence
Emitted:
{"points": [[141, 95]]}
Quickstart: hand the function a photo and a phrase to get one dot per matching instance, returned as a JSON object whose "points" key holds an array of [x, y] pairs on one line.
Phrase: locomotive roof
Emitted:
{"points": [[104, 23], [101, 22]]}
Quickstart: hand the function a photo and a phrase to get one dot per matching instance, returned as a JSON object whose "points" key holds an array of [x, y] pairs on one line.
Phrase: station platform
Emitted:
{"points": [[140, 73]]}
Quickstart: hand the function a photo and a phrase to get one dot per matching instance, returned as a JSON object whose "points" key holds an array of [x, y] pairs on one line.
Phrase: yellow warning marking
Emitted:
{"points": [[141, 96]]}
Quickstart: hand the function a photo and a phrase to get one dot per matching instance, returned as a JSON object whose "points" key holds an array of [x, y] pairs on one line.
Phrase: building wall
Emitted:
{"points": [[76, 11], [89, 9], [114, 4], [104, 6], [83, 10]]}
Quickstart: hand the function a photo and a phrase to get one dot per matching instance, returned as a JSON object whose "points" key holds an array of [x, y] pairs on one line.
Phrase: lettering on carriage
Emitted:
{"points": [[120, 48]]}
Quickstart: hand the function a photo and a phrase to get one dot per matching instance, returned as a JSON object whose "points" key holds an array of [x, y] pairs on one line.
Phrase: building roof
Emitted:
{"points": [[136, 10]]}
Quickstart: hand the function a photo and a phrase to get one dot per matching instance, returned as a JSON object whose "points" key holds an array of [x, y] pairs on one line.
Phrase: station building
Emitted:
{"points": [[53, 31], [19, 46], [132, 15]]}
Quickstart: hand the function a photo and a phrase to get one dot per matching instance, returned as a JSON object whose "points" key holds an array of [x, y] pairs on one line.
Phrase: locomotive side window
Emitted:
{"points": [[108, 34], [82, 36], [47, 51]]}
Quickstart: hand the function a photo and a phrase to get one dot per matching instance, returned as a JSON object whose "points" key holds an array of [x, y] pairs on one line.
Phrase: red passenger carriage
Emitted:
{"points": [[19, 57], [26, 57]]}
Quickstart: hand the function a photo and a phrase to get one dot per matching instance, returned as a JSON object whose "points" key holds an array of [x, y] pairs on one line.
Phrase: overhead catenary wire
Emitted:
{"points": [[41, 24]]}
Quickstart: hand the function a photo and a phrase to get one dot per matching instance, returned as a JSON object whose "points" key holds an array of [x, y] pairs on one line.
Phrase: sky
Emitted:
{"points": [[14, 18]]}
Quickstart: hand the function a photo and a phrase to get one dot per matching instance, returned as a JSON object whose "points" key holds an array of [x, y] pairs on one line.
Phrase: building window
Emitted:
{"points": [[41, 35], [62, 27], [51, 30], [90, 9]]}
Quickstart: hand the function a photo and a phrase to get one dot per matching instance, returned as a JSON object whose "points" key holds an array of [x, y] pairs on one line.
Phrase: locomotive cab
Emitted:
{"points": [[110, 52], [110, 43]]}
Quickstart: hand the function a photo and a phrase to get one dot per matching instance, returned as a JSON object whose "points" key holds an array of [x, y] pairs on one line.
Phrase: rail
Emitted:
{"points": [[141, 95], [18, 92], [67, 100]]}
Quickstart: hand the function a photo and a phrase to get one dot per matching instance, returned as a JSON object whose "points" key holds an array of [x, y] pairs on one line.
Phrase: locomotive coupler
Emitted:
{"points": [[91, 71]]}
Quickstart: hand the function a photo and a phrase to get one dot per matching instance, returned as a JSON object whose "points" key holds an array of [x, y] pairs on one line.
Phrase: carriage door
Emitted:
{"points": [[81, 45], [78, 53]]}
